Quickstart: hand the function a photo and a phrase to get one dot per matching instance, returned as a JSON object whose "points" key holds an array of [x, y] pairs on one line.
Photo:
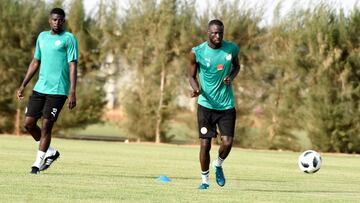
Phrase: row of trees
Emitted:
{"points": [[300, 76], [307, 80]]}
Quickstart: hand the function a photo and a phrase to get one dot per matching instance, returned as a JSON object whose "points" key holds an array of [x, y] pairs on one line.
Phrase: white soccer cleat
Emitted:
{"points": [[49, 160]]}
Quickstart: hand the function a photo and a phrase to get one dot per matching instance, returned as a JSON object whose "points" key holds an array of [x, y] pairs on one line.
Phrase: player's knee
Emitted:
{"points": [[205, 144], [28, 125], [227, 143]]}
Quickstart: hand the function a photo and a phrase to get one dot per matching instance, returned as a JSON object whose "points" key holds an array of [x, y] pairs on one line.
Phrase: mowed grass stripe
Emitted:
{"points": [[95, 171]]}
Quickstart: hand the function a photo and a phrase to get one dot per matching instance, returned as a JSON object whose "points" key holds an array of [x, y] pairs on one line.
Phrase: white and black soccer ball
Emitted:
{"points": [[309, 161]]}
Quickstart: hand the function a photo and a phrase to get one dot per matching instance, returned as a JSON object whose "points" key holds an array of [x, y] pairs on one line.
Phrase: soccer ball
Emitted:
{"points": [[309, 161]]}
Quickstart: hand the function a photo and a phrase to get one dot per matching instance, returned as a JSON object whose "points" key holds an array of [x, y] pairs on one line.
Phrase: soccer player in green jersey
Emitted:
{"points": [[56, 55], [217, 63]]}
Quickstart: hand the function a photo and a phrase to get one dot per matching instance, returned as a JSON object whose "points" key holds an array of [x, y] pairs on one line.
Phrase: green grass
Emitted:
{"points": [[94, 171], [179, 131], [99, 129]]}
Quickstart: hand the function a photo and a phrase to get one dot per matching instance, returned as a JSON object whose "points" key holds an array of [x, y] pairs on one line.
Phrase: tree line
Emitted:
{"points": [[299, 76]]}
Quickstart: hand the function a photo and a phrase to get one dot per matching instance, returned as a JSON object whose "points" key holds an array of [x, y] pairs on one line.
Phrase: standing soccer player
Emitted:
{"points": [[217, 62], [56, 54]]}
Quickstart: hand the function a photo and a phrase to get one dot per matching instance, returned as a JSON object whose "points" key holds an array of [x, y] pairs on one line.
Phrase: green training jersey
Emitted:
{"points": [[214, 66], [54, 53]]}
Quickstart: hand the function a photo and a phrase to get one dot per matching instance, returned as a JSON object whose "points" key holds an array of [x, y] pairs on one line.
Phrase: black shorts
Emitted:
{"points": [[209, 118], [46, 105]]}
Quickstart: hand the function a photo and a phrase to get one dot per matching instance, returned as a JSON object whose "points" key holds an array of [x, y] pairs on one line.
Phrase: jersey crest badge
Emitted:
{"points": [[228, 57], [57, 43]]}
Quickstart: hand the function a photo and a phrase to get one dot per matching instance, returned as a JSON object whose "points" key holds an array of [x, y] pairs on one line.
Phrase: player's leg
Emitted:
{"points": [[52, 108], [31, 126], [43, 146], [46, 134], [207, 130], [224, 149], [204, 157], [51, 153], [33, 112], [226, 123]]}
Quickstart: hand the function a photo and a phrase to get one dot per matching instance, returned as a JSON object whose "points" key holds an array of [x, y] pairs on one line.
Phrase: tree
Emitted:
{"points": [[89, 108], [138, 28], [90, 93], [18, 32], [333, 98], [83, 28], [316, 78], [152, 46]]}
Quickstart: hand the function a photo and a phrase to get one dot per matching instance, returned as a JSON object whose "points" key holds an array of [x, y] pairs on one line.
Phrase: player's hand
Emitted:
{"points": [[20, 93], [72, 102], [195, 93], [227, 80]]}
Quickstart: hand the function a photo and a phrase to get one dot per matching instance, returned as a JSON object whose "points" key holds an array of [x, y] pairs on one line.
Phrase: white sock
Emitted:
{"points": [[205, 176], [218, 161], [51, 150], [39, 159]]}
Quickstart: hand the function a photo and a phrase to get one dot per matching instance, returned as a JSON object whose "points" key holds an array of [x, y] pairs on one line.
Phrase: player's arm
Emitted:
{"points": [[73, 80], [235, 68], [32, 69], [192, 72]]}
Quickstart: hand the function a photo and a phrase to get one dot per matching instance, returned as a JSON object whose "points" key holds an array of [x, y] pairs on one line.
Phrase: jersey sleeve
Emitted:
{"points": [[72, 50], [37, 53]]}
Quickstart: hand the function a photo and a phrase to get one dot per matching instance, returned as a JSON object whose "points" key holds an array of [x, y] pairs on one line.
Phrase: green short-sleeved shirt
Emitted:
{"points": [[214, 66], [55, 52]]}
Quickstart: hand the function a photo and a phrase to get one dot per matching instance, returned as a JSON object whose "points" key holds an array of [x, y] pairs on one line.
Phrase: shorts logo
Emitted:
{"points": [[203, 130], [220, 66], [54, 110]]}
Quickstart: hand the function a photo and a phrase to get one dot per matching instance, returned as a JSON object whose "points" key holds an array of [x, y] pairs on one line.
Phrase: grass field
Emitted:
{"points": [[112, 131], [94, 171]]}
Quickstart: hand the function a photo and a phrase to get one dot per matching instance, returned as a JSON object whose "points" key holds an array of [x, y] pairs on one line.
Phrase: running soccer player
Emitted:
{"points": [[217, 63], [56, 54]]}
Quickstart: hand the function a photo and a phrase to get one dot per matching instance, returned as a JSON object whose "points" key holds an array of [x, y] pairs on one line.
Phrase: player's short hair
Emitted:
{"points": [[216, 22], [58, 11]]}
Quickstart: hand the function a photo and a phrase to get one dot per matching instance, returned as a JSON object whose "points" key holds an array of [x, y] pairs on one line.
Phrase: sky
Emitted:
{"points": [[269, 5]]}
